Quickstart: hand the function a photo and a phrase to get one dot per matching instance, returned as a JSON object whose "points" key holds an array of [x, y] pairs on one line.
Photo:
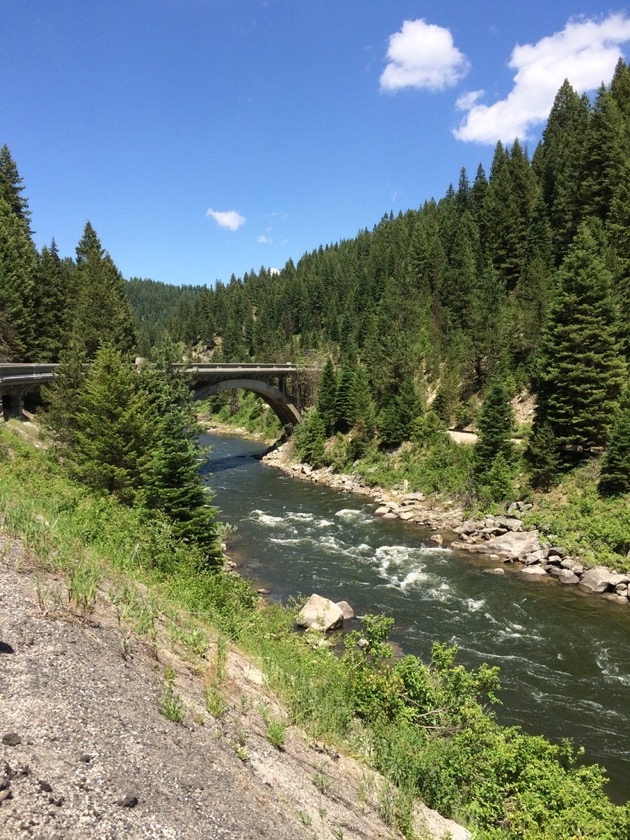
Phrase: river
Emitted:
{"points": [[564, 656]]}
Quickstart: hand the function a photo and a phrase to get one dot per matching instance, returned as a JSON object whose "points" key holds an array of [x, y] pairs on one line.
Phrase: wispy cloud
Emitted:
{"points": [[422, 55], [264, 240], [229, 219], [584, 52]]}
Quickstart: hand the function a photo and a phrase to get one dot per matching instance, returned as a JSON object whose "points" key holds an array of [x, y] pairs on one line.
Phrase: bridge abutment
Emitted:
{"points": [[12, 407]]}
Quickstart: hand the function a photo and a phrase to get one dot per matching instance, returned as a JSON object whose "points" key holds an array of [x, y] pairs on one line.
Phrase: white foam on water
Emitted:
{"points": [[300, 517], [266, 518], [610, 669], [333, 543], [400, 566], [474, 605], [412, 578], [352, 515], [291, 540]]}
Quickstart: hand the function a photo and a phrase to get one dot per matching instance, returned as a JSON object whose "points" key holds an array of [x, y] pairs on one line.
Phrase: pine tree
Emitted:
{"points": [[618, 231], [310, 438], [494, 427], [109, 445], [327, 396], [508, 204], [543, 457], [534, 288], [606, 148], [396, 418], [17, 262], [103, 312], [11, 188], [580, 370], [460, 278], [169, 479], [365, 410], [61, 397], [345, 408], [557, 164], [17, 266], [53, 298], [615, 472]]}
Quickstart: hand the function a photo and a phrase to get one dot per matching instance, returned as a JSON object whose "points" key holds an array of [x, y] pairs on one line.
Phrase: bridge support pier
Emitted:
{"points": [[12, 407]]}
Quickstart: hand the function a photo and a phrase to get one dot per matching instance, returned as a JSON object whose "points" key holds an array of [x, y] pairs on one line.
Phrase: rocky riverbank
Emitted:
{"points": [[502, 539]]}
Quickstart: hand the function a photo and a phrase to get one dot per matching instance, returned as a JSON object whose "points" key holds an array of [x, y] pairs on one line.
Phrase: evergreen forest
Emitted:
{"points": [[516, 283]]}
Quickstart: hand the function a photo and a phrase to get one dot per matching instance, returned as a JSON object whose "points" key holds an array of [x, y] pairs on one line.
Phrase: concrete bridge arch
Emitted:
{"points": [[286, 412]]}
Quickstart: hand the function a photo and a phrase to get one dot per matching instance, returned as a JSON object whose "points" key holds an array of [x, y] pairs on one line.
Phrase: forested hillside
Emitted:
{"points": [[516, 280]]}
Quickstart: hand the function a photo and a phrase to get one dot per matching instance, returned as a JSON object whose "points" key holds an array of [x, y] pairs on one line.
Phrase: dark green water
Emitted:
{"points": [[564, 656]]}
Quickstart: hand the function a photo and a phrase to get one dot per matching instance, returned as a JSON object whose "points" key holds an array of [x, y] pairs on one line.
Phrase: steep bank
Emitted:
{"points": [[91, 745]]}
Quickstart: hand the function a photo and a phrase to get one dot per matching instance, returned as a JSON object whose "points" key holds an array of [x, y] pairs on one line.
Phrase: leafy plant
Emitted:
{"points": [[275, 733]]}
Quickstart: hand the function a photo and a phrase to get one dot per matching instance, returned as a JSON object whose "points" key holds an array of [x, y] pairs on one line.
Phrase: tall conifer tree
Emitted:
{"points": [[615, 473], [103, 312], [17, 262], [580, 369]]}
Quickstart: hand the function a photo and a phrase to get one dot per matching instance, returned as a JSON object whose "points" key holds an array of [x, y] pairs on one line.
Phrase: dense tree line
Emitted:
{"points": [[521, 275], [516, 279]]}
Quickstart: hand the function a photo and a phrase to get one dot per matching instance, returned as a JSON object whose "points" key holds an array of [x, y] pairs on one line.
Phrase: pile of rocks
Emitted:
{"points": [[502, 538], [412, 507]]}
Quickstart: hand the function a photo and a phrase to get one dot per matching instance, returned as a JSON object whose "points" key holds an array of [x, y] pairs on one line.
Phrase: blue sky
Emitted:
{"points": [[208, 137]]}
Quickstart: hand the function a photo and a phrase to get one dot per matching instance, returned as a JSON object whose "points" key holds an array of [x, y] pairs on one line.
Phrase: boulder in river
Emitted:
{"points": [[320, 614], [346, 609], [600, 579], [515, 545]]}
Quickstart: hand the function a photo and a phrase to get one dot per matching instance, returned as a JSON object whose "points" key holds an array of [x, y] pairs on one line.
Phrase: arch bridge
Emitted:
{"points": [[277, 384]]}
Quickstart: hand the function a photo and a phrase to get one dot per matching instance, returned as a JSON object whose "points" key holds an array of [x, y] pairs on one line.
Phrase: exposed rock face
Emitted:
{"points": [[320, 614], [535, 571], [601, 579], [568, 578]]}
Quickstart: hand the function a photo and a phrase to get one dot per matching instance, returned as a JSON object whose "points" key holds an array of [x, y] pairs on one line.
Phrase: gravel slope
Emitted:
{"points": [[85, 752]]}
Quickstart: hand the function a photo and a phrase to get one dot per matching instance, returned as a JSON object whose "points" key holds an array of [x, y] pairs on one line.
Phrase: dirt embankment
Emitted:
{"points": [[85, 751]]}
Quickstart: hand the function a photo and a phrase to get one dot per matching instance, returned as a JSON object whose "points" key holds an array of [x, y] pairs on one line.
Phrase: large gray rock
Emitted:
{"points": [[320, 614], [568, 578], [346, 609], [534, 571], [509, 522], [516, 545], [600, 579]]}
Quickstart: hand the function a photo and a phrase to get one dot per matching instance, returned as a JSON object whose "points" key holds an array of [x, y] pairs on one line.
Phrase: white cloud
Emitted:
{"points": [[229, 219], [584, 52], [422, 55], [264, 240]]}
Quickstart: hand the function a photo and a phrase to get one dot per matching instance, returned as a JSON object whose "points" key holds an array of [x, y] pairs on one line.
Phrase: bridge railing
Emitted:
{"points": [[233, 366]]}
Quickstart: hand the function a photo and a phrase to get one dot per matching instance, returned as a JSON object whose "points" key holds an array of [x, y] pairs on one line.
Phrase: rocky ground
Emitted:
{"points": [[86, 753]]}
